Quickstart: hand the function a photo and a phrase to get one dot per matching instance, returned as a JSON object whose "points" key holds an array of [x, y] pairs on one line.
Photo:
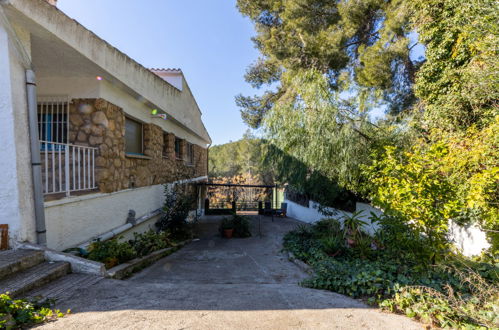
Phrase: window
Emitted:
{"points": [[133, 137], [190, 154], [53, 124], [177, 149]]}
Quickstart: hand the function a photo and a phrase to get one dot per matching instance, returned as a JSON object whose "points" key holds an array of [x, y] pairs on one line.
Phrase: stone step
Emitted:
{"points": [[34, 277], [13, 261], [64, 287]]}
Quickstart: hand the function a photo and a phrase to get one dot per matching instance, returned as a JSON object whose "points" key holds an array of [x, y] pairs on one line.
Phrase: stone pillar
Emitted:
{"points": [[100, 124], [169, 140], [183, 149], [200, 160], [153, 136]]}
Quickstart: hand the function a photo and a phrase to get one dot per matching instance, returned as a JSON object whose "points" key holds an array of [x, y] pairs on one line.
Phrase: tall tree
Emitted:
{"points": [[458, 84], [243, 157], [360, 46]]}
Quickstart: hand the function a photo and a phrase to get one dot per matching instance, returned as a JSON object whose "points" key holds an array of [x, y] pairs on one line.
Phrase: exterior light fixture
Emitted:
{"points": [[99, 78], [155, 114]]}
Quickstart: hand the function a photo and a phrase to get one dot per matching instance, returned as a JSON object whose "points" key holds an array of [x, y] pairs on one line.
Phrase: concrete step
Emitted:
{"points": [[34, 277], [13, 261], [63, 287]]}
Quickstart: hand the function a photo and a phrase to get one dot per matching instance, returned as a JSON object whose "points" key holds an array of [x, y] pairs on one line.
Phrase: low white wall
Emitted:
{"points": [[74, 220], [367, 209], [470, 241], [311, 214], [306, 214], [140, 228]]}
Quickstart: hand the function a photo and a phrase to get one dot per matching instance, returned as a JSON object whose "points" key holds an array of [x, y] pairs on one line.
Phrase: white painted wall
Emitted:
{"points": [[470, 241], [116, 66], [173, 77], [74, 220], [16, 194], [139, 110], [76, 87], [309, 214]]}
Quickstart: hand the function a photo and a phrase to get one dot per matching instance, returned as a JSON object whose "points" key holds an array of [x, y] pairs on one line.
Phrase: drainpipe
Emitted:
{"points": [[207, 172], [208, 161], [36, 165]]}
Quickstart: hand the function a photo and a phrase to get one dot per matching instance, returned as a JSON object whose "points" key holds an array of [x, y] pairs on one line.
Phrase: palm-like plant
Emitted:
{"points": [[352, 226]]}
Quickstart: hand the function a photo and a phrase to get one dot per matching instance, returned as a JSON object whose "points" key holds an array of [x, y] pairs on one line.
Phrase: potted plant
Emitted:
{"points": [[227, 228], [241, 226]]}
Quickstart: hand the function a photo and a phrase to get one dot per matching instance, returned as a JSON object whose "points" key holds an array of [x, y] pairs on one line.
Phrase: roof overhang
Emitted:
{"points": [[61, 46]]}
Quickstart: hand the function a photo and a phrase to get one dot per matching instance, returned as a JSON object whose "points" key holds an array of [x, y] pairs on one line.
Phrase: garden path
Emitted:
{"points": [[215, 283]]}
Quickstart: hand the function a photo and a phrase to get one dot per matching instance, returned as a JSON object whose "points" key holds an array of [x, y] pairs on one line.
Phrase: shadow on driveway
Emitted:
{"points": [[217, 283]]}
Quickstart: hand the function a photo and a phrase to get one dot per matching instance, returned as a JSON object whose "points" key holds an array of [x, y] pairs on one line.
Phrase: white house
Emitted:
{"points": [[87, 133]]}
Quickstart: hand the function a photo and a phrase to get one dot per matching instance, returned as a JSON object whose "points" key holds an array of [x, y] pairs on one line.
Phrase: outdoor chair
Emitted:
{"points": [[282, 211], [267, 209]]}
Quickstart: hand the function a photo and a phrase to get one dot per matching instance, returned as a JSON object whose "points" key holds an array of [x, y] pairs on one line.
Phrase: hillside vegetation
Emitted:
{"points": [[433, 67]]}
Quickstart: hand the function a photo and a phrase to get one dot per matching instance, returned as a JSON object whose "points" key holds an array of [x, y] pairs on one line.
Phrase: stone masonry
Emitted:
{"points": [[100, 124]]}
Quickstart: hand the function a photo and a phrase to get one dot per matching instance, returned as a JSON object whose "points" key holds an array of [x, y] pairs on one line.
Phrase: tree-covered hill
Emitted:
{"points": [[243, 157]]}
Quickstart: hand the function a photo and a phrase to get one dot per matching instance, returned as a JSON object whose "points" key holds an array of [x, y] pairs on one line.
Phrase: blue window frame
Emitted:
{"points": [[52, 125]]}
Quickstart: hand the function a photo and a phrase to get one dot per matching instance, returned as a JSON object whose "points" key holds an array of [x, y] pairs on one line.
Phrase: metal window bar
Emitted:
{"points": [[53, 120], [60, 167]]}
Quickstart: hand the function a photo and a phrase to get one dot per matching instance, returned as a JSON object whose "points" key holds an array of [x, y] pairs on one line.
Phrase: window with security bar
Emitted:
{"points": [[190, 154], [53, 122], [178, 150]]}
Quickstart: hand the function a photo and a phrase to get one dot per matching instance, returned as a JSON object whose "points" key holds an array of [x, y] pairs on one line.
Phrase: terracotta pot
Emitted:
{"points": [[351, 242], [228, 233], [332, 255]]}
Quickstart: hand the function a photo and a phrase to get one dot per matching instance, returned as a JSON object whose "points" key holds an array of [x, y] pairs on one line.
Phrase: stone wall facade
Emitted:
{"points": [[100, 124]]}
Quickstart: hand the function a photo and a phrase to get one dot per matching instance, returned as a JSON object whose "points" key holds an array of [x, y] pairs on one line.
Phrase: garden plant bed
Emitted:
{"points": [[397, 272], [126, 269], [173, 230]]}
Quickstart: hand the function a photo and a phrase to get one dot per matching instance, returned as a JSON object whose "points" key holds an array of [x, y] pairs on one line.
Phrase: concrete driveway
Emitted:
{"points": [[216, 283]]}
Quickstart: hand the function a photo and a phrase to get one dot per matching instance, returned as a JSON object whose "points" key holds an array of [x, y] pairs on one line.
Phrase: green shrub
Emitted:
{"points": [[226, 224], [332, 245], [176, 209], [150, 241], [399, 238], [380, 268], [239, 223], [352, 225], [111, 252], [241, 226], [19, 313], [449, 310], [327, 227], [114, 252]]}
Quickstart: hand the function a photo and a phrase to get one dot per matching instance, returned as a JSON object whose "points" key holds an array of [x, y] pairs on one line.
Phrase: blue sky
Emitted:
{"points": [[208, 40]]}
